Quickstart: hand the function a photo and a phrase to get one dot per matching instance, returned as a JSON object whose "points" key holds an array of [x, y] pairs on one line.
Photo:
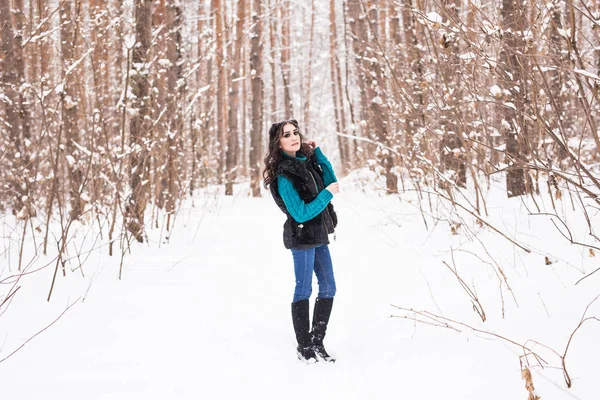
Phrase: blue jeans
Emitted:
{"points": [[305, 262]]}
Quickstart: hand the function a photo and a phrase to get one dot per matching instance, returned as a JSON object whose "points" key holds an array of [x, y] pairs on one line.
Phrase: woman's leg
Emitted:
{"points": [[324, 302], [324, 271], [304, 263], [303, 269]]}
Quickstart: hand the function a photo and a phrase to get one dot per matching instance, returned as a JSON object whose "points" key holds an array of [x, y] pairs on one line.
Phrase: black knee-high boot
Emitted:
{"points": [[301, 321], [319, 327]]}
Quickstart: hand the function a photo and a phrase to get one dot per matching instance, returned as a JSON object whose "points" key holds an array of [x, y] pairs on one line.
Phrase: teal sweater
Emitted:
{"points": [[298, 209]]}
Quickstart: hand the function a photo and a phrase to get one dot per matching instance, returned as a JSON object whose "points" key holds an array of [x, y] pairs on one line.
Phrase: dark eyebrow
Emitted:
{"points": [[295, 129]]}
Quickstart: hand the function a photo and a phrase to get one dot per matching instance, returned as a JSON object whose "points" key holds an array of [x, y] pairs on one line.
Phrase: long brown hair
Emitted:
{"points": [[274, 154]]}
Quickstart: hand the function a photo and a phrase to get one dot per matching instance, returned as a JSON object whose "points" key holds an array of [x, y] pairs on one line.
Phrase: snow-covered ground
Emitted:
{"points": [[206, 313]]}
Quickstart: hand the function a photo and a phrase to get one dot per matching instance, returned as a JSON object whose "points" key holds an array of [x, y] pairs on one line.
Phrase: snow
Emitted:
{"points": [[205, 313], [586, 73], [496, 91], [435, 18]]}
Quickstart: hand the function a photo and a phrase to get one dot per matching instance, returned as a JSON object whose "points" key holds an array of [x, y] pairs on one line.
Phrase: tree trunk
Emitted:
{"points": [[245, 83], [452, 151], [256, 67], [69, 23], [558, 117], [175, 93], [286, 58], [9, 80], [273, 51], [159, 107], [414, 112], [336, 90], [371, 71], [232, 158], [514, 126], [140, 124], [99, 30], [24, 112], [309, 68], [218, 11], [356, 22], [203, 77]]}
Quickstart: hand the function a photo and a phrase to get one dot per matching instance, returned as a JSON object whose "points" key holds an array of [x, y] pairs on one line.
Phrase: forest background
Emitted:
{"points": [[114, 111], [111, 106]]}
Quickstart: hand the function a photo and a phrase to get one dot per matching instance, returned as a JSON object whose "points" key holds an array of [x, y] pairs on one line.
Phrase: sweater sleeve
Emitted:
{"points": [[298, 209], [328, 174]]}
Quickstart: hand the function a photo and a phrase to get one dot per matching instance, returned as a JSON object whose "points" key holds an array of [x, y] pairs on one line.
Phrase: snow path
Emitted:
{"points": [[207, 316]]}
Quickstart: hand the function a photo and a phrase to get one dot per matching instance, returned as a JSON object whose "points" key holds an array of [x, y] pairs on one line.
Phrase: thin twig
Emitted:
{"points": [[39, 332]]}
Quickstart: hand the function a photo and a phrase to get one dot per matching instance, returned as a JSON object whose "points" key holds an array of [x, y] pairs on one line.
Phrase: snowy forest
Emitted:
{"points": [[114, 113], [112, 106]]}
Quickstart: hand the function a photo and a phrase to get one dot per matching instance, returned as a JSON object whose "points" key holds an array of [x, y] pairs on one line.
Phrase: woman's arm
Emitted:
{"points": [[298, 209], [328, 174]]}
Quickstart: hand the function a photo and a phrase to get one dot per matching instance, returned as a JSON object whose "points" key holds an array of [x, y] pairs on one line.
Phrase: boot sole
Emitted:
{"points": [[306, 361], [325, 359]]}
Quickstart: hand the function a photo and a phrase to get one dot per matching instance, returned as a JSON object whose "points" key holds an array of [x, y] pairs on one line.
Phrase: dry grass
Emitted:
{"points": [[526, 375]]}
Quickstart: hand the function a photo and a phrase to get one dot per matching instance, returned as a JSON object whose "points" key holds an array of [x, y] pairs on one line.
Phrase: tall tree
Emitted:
{"points": [[24, 109], [358, 33], [159, 104], [309, 67], [218, 12], [513, 124], [452, 151], [336, 89], [372, 72], [232, 156], [414, 106], [555, 76], [102, 99], [140, 124], [176, 87], [273, 55], [69, 31], [9, 80], [204, 77], [256, 75], [286, 65]]}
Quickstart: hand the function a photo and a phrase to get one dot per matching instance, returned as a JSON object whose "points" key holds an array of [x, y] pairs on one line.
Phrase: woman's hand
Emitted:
{"points": [[334, 188], [311, 143]]}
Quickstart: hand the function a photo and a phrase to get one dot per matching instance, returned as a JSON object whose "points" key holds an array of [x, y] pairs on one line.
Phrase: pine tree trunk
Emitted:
{"points": [[102, 97], [309, 68], [336, 90], [555, 76], [174, 96], [218, 12], [356, 22], [256, 74], [452, 151], [514, 18], [160, 107], [272, 58], [140, 124], [371, 71], [286, 58], [234, 101], [244, 153], [69, 22], [203, 77], [9, 80], [415, 115], [24, 112]]}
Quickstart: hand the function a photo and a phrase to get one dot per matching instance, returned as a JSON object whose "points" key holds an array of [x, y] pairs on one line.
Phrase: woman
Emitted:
{"points": [[303, 183]]}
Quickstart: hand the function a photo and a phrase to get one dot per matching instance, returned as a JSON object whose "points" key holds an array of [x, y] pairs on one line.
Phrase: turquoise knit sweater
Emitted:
{"points": [[298, 209]]}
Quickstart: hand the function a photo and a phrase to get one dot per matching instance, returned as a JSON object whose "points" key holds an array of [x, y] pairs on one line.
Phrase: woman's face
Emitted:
{"points": [[290, 140]]}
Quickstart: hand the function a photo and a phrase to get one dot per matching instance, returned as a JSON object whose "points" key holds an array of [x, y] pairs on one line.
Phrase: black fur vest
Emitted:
{"points": [[307, 178]]}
